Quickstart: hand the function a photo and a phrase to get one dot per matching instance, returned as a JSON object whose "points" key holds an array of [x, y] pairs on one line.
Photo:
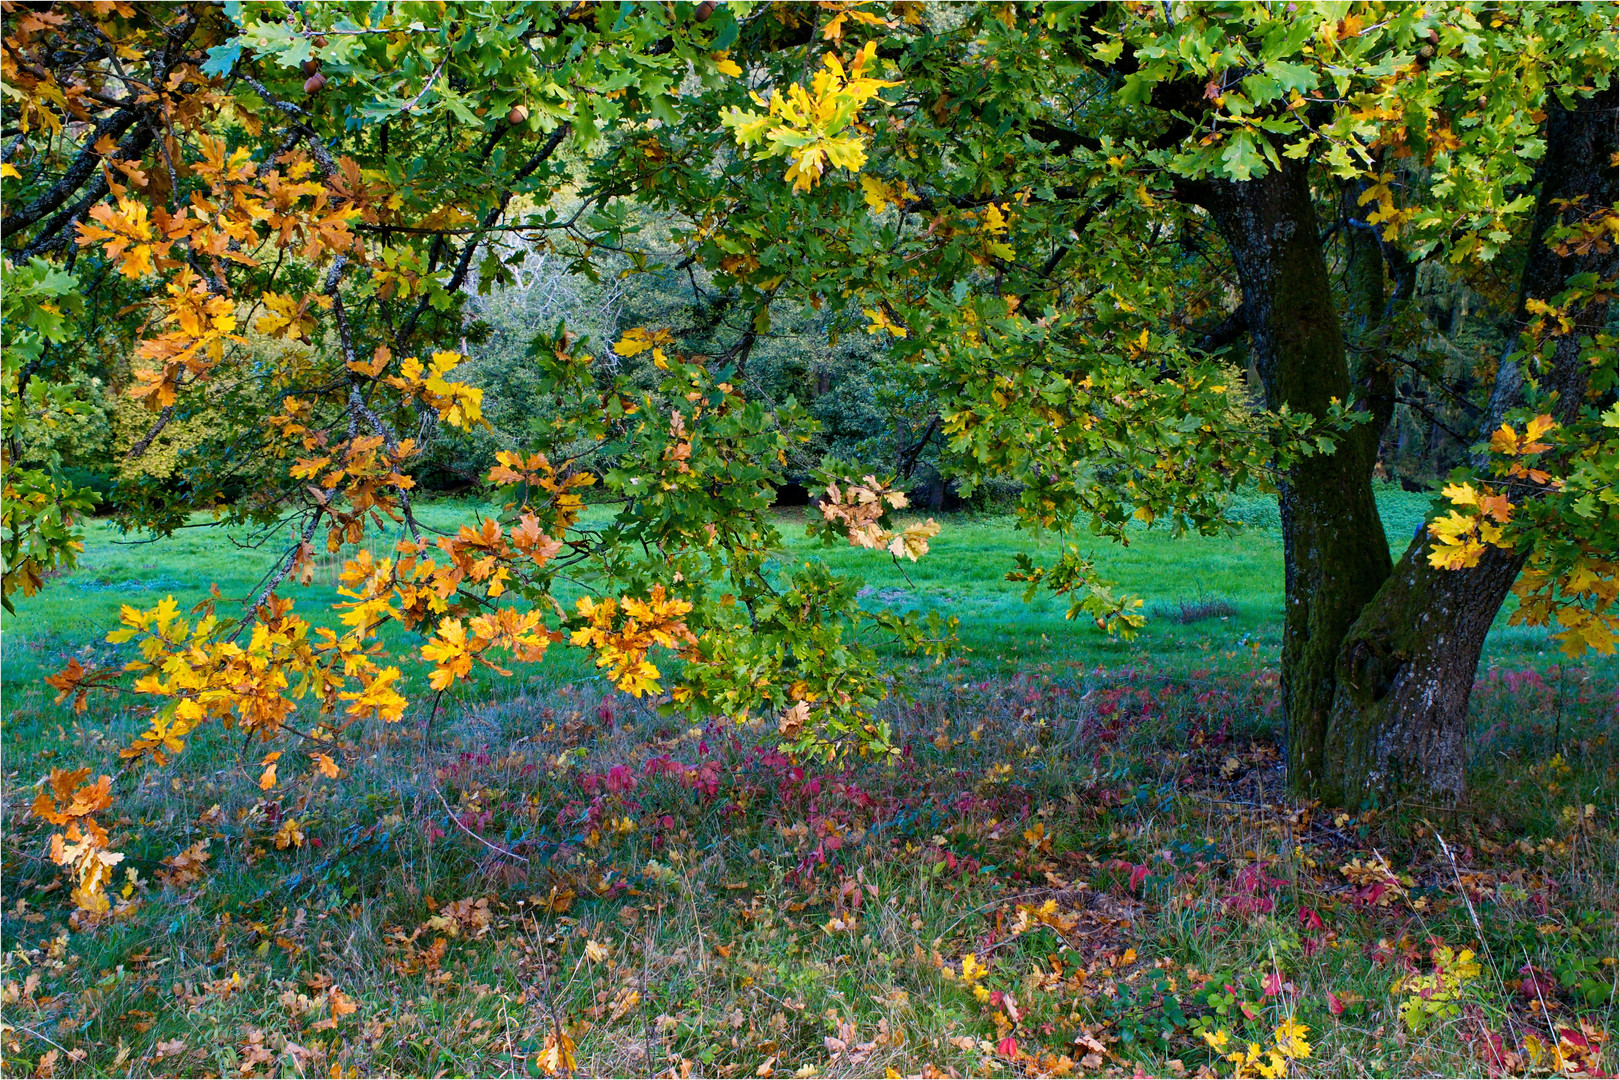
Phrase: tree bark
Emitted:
{"points": [[1399, 718], [1334, 549]]}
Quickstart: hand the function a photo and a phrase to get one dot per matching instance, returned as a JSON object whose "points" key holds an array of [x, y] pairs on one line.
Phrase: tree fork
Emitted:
{"points": [[1399, 720], [1335, 554]]}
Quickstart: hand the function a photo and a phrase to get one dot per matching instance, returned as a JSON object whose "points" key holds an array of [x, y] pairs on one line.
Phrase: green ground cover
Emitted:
{"points": [[963, 575]]}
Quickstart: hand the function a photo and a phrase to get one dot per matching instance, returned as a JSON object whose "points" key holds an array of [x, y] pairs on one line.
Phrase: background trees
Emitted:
{"points": [[1130, 257]]}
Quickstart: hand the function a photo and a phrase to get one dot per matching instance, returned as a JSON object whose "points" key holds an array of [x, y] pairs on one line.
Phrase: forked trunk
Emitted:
{"points": [[1399, 721], [1334, 550]]}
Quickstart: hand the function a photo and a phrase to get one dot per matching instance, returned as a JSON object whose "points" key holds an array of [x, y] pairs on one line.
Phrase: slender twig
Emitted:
{"points": [[410, 106], [545, 992], [457, 821]]}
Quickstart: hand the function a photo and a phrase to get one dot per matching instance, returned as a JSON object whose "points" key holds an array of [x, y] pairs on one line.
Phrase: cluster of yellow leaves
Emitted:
{"points": [[295, 212], [880, 196], [456, 403], [413, 590], [244, 207], [1505, 441], [1579, 596], [369, 468], [454, 647], [1581, 599], [993, 224], [638, 339], [882, 323], [1460, 538], [859, 508], [1549, 321], [622, 646], [127, 237], [1435, 995], [291, 318], [202, 671], [972, 974], [196, 324], [1288, 1045], [535, 471], [81, 849], [485, 555], [811, 127], [850, 11], [1386, 213], [1047, 914]]}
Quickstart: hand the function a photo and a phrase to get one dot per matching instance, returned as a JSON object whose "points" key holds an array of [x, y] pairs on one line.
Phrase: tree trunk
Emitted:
{"points": [[1399, 718], [1334, 549]]}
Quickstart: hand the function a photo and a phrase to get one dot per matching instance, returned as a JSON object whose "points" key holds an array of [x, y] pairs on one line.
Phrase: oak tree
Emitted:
{"points": [[1137, 256]]}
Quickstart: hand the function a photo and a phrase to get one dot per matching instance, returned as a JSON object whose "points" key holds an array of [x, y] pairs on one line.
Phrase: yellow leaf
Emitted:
{"points": [[1461, 494], [1290, 1036], [1538, 427], [972, 970], [639, 339], [876, 194], [557, 1056], [291, 833], [1503, 441]]}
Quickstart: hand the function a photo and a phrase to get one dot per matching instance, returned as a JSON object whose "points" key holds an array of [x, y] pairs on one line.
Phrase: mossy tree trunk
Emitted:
{"points": [[1378, 661], [1399, 718], [1334, 550]]}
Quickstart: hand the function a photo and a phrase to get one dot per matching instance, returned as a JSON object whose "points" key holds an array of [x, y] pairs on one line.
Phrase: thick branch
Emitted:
{"points": [[70, 181]]}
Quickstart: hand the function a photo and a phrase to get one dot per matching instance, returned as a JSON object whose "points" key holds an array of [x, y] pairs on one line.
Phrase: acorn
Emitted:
{"points": [[518, 115], [320, 41], [704, 10], [311, 66], [1434, 36], [1426, 52], [315, 83]]}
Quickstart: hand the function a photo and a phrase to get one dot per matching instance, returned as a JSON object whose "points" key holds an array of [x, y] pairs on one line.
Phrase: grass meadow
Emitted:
{"points": [[1084, 864]]}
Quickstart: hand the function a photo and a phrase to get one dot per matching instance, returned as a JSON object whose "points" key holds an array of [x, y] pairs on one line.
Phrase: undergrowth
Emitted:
{"points": [[1061, 875]]}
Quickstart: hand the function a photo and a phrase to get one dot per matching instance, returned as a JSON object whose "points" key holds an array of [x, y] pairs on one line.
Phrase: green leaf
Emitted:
{"points": [[1241, 158], [222, 58]]}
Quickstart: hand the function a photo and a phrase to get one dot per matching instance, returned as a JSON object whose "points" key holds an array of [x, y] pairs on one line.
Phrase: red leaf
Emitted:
{"points": [[1335, 1006]]}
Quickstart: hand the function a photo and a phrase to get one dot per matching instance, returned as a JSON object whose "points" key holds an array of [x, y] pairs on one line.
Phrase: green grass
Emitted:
{"points": [[1138, 799], [963, 576]]}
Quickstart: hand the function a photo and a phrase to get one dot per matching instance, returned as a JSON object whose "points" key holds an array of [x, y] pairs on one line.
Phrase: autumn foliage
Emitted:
{"points": [[287, 208]]}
